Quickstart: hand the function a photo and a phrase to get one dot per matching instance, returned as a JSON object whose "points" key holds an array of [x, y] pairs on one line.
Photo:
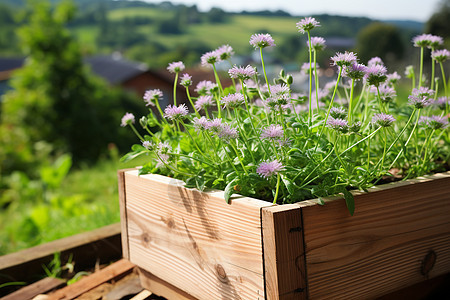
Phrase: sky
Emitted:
{"points": [[417, 10]]}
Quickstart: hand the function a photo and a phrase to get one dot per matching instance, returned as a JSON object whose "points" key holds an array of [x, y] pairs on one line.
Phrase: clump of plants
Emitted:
{"points": [[268, 140]]}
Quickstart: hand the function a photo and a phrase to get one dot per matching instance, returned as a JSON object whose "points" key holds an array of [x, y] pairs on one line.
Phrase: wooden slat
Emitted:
{"points": [[284, 261], [162, 288], [186, 237], [40, 287], [123, 211], [381, 248], [114, 271], [142, 295], [100, 245]]}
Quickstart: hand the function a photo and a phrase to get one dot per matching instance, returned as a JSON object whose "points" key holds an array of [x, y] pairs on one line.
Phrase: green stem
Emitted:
{"points": [[277, 189], [310, 81], [421, 67], [350, 104], [384, 149], [316, 79], [264, 69], [192, 103], [427, 141], [175, 89], [239, 157], [331, 102], [444, 79], [137, 133]]}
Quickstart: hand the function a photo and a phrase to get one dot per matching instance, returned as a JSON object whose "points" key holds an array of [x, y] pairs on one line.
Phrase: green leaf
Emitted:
{"points": [[290, 186], [349, 200], [200, 183], [229, 190]]}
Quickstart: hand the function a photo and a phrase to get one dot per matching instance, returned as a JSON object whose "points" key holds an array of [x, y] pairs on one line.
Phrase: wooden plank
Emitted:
{"points": [[142, 295], [284, 260], [185, 237], [40, 287], [162, 288], [100, 245], [123, 211], [114, 271], [382, 247]]}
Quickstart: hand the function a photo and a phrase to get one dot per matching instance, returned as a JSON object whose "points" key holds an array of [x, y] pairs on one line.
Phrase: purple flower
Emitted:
{"points": [[355, 71], [437, 122], [200, 123], [355, 127], [233, 100], [317, 43], [148, 145], [440, 55], [441, 102], [306, 24], [393, 78], [375, 61], [127, 119], [279, 89], [436, 41], [210, 58], [427, 40], [176, 67], [418, 102], [164, 148], [423, 92], [205, 87], [344, 59], [227, 133], [433, 122], [383, 120], [338, 113], [186, 80], [375, 75], [225, 52], [272, 132], [152, 96], [339, 125], [305, 68], [270, 168], [387, 93], [261, 40], [214, 125], [173, 112], [241, 72], [203, 102]]}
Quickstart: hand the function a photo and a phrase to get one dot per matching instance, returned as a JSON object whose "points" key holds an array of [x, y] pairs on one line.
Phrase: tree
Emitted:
{"points": [[438, 23], [54, 97], [382, 40]]}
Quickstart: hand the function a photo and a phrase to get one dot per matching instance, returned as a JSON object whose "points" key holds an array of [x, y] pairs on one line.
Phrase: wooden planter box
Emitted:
{"points": [[192, 245]]}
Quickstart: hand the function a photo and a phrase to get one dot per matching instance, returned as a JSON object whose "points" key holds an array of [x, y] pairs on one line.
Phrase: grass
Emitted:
{"points": [[130, 12], [87, 199]]}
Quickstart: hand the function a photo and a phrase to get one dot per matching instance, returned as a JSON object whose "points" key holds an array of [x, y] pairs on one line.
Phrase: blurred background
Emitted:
{"points": [[69, 70]]}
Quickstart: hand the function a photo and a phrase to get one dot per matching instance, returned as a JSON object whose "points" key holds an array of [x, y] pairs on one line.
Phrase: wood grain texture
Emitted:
{"points": [[195, 241], [161, 288], [284, 261], [381, 248], [113, 271], [123, 212], [39, 287]]}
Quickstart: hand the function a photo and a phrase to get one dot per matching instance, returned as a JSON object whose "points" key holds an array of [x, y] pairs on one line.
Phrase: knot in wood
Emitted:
{"points": [[221, 273], [428, 262]]}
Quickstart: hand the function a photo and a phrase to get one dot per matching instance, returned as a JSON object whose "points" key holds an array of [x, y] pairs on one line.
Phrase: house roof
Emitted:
{"points": [[114, 68]]}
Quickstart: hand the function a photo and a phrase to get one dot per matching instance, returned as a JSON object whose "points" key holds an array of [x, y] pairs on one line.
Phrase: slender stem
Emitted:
{"points": [[277, 189], [175, 89], [217, 79], [427, 141], [264, 69], [331, 102], [421, 67], [136, 132], [350, 104], [192, 103], [192, 139], [336, 151], [239, 157], [382, 108], [400, 134], [316, 78], [432, 71], [310, 81], [444, 79], [384, 149]]}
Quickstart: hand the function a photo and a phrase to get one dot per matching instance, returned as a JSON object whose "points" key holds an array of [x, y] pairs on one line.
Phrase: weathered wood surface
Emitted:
{"points": [[195, 241], [40, 287], [114, 271], [381, 248], [284, 259], [97, 246]]}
